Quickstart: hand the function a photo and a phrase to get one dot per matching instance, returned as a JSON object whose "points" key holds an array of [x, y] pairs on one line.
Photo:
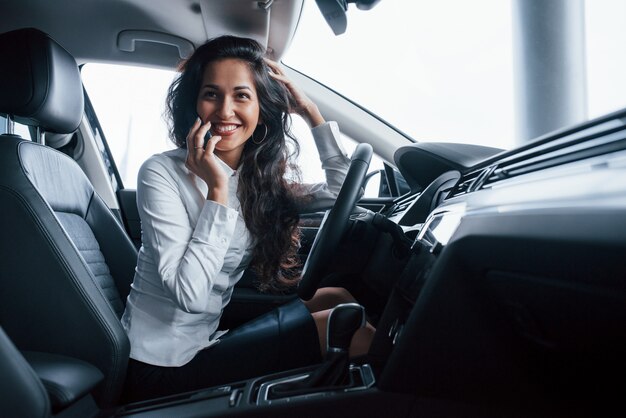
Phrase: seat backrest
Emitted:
{"points": [[66, 263]]}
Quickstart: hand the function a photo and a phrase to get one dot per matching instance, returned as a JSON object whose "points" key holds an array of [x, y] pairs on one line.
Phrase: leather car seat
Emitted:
{"points": [[66, 263], [21, 392]]}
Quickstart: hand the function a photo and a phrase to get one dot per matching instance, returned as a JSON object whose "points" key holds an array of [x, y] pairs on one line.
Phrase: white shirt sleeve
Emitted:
{"points": [[335, 164], [189, 257]]}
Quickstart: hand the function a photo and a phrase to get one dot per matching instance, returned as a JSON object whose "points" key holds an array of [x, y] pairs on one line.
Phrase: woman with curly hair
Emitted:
{"points": [[226, 199]]}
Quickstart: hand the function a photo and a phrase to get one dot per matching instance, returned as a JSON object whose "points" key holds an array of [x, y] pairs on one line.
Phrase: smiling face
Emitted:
{"points": [[228, 99]]}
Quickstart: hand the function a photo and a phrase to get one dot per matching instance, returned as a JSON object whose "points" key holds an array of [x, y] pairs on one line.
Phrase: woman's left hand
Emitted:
{"points": [[305, 107]]}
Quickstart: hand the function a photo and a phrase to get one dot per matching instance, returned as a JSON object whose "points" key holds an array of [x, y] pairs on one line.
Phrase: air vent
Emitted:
{"points": [[564, 150], [402, 204], [468, 182], [598, 137]]}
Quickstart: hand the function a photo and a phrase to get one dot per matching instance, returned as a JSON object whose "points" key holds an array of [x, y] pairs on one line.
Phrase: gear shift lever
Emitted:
{"points": [[344, 320]]}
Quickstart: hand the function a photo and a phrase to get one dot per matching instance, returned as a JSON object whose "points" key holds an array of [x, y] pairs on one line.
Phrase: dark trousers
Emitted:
{"points": [[285, 338]]}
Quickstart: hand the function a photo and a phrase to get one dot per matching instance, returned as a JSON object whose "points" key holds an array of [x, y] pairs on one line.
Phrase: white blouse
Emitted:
{"points": [[194, 251]]}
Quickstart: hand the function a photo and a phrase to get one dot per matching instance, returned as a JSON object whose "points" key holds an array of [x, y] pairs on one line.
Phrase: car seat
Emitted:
{"points": [[21, 392], [66, 263]]}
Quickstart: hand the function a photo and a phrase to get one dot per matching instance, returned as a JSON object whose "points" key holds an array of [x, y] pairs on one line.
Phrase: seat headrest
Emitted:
{"points": [[39, 82]]}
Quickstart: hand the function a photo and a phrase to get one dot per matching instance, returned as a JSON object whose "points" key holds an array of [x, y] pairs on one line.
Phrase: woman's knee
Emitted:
{"points": [[362, 340], [321, 323], [328, 298]]}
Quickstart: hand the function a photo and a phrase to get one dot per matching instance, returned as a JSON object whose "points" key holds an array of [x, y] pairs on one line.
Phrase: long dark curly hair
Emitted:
{"points": [[269, 203]]}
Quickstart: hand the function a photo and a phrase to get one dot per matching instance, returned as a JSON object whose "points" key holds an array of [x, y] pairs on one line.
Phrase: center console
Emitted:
{"points": [[360, 377], [252, 396], [336, 379], [380, 384]]}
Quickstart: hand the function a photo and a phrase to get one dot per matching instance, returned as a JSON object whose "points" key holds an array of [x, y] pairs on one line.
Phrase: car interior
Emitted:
{"points": [[495, 278]]}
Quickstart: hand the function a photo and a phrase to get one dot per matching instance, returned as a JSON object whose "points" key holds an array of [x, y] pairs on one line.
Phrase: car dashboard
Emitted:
{"points": [[514, 296]]}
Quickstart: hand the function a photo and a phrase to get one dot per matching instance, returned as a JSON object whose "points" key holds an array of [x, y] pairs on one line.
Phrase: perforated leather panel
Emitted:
{"points": [[83, 238]]}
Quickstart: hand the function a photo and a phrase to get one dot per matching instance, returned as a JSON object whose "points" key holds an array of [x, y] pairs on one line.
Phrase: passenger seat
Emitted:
{"points": [[66, 263]]}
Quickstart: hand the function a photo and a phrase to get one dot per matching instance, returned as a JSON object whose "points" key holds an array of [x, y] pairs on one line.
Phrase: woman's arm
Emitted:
{"points": [[305, 107], [335, 163], [189, 258]]}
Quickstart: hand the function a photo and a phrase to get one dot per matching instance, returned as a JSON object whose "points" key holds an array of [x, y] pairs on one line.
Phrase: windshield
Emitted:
{"points": [[444, 70]]}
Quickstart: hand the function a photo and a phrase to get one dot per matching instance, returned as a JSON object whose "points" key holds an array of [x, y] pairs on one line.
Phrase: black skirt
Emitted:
{"points": [[285, 338]]}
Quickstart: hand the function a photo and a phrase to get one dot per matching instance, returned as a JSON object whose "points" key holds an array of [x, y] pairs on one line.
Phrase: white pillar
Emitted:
{"points": [[549, 65]]}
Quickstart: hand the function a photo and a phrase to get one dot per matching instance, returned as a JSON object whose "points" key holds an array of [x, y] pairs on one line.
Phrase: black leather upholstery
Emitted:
{"points": [[88, 222], [21, 392], [66, 263], [66, 379], [39, 81]]}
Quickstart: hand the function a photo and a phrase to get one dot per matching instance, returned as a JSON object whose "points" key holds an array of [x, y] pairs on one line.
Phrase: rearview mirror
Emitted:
{"points": [[334, 11]]}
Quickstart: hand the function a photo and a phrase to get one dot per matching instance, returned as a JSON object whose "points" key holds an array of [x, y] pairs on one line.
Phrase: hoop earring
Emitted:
{"points": [[262, 139]]}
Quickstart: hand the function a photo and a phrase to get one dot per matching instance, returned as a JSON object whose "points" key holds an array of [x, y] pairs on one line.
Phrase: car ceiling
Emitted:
{"points": [[90, 29]]}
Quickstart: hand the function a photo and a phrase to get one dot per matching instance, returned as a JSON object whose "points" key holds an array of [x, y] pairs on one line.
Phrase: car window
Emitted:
{"points": [[309, 161], [130, 104], [444, 70], [22, 130], [434, 74], [18, 128]]}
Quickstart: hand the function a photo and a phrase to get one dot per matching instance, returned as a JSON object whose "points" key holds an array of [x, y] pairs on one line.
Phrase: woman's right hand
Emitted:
{"points": [[202, 162]]}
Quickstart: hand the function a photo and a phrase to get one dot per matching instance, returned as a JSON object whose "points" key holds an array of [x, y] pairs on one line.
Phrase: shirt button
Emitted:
{"points": [[224, 240]]}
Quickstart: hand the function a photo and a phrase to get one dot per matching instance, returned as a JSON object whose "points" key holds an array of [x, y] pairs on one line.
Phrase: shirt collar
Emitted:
{"points": [[229, 171]]}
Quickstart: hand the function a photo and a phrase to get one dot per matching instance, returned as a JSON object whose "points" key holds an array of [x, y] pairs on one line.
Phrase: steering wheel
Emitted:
{"points": [[335, 223]]}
